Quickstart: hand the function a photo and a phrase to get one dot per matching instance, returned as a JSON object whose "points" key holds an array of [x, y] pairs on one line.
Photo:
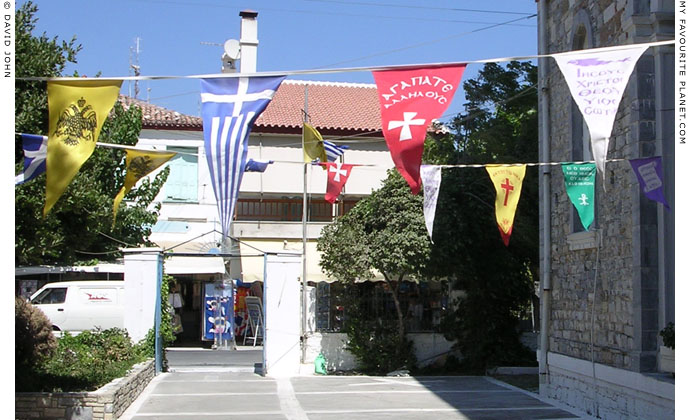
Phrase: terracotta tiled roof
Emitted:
{"points": [[334, 109], [156, 117]]}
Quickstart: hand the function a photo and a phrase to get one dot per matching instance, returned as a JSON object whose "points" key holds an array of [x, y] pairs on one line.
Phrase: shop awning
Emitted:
{"points": [[194, 265], [253, 267]]}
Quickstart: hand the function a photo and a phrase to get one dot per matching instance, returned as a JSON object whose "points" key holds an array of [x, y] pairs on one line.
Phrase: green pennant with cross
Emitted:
{"points": [[579, 184]]}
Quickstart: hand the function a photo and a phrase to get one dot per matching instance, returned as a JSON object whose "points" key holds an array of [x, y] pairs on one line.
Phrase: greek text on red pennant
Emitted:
{"points": [[410, 100]]}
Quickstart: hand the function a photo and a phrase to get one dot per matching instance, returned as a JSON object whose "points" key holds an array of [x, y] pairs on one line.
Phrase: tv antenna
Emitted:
{"points": [[134, 66]]}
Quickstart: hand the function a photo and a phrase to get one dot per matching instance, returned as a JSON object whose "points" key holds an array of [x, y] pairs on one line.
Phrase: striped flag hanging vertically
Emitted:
{"points": [[229, 107]]}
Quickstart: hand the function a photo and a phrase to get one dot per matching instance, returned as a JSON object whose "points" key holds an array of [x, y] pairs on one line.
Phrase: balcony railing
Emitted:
{"points": [[289, 210]]}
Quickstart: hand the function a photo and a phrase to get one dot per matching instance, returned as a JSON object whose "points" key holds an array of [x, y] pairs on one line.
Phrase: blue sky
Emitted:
{"points": [[177, 37]]}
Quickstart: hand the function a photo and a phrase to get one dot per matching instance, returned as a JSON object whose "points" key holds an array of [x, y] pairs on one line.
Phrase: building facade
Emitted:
{"points": [[607, 292], [269, 211]]}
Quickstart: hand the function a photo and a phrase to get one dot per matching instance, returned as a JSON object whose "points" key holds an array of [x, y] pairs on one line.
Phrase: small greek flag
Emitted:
{"points": [[35, 151], [257, 165], [333, 151]]}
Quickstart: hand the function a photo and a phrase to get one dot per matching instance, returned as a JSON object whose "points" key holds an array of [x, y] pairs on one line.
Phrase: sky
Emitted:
{"points": [[184, 37]]}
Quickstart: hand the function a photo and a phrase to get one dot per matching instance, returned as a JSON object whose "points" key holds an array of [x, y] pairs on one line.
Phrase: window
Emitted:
{"points": [[182, 183], [51, 296], [581, 149]]}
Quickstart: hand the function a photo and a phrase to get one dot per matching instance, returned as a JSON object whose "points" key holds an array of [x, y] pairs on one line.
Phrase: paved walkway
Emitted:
{"points": [[239, 394]]}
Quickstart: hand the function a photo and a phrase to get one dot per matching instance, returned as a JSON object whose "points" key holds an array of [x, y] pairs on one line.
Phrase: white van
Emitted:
{"points": [[77, 306]]}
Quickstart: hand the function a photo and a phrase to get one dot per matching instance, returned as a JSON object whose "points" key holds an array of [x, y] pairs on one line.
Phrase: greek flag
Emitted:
{"points": [[35, 150], [333, 151], [257, 165], [229, 107]]}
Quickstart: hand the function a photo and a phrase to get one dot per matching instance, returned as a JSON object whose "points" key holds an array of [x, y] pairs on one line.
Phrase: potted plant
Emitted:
{"points": [[667, 351]]}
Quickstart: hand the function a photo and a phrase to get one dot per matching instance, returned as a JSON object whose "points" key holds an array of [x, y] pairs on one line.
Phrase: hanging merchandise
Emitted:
{"points": [[77, 110], [338, 173], [218, 312], [229, 107], [431, 179], [507, 181], [410, 100], [597, 80], [139, 164], [579, 184]]}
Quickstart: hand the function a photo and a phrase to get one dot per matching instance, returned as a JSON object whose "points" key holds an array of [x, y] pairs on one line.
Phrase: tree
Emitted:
{"points": [[384, 232], [497, 281], [79, 227]]}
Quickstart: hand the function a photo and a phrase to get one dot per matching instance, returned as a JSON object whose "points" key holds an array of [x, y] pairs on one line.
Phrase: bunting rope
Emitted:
{"points": [[358, 69]]}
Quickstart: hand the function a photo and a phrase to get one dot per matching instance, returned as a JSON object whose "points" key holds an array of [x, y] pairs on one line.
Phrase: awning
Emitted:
{"points": [[253, 267], [194, 265]]}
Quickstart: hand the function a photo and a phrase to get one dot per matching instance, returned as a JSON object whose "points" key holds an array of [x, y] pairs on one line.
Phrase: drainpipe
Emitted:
{"points": [[545, 187], [248, 41]]}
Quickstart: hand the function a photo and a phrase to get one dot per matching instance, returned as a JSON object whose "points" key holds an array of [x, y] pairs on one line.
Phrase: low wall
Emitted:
{"points": [[106, 403], [610, 393], [428, 346]]}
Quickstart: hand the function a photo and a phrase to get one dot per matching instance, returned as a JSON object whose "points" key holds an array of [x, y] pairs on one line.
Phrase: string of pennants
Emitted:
{"points": [[410, 98]]}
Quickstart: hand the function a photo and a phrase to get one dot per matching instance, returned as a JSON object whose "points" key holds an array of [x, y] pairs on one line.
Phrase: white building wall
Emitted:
{"points": [[284, 178], [428, 346]]}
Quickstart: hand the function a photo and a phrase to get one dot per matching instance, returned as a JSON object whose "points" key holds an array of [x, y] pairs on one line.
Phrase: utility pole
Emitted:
{"points": [[305, 214]]}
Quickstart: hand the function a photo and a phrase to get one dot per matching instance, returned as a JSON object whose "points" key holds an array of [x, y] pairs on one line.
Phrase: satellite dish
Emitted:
{"points": [[232, 49]]}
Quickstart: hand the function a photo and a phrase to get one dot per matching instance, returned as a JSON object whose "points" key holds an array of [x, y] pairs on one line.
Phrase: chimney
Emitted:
{"points": [[248, 41]]}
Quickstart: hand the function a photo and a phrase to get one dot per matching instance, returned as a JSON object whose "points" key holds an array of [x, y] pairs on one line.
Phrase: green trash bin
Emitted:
{"points": [[320, 365]]}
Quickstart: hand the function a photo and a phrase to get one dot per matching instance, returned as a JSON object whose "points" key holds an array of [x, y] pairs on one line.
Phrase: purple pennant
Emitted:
{"points": [[649, 172]]}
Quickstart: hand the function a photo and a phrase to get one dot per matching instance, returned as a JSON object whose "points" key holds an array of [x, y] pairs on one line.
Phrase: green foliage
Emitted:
{"points": [[79, 227], [376, 343], [498, 281], [166, 333], [83, 362], [33, 335], [384, 232], [35, 56], [668, 335]]}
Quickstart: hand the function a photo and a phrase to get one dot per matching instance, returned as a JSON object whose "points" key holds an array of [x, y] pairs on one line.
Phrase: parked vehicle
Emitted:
{"points": [[77, 306]]}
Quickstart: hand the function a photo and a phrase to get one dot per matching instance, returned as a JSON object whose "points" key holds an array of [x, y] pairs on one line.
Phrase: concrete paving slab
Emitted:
{"points": [[195, 395]]}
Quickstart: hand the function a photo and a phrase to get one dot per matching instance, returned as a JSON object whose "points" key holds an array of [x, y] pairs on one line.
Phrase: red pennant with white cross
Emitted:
{"points": [[338, 173], [410, 100]]}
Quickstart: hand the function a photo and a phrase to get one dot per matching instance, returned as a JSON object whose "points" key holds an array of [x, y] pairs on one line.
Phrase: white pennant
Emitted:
{"points": [[431, 179], [597, 81]]}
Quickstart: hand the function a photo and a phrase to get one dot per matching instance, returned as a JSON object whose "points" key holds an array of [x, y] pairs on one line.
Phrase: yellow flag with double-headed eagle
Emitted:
{"points": [[76, 112], [507, 181], [139, 163]]}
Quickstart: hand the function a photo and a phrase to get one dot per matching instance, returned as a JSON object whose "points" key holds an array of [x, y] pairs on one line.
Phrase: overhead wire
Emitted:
{"points": [[407, 6]]}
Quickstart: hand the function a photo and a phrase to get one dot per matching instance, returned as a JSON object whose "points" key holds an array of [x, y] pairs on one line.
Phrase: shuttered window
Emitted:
{"points": [[183, 181]]}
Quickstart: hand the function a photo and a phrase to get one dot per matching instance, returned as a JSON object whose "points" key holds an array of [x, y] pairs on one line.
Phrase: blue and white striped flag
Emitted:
{"points": [[257, 165], [35, 150], [333, 151], [229, 107]]}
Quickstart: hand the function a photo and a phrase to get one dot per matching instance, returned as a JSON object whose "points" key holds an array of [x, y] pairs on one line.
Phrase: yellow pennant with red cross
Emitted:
{"points": [[508, 183]]}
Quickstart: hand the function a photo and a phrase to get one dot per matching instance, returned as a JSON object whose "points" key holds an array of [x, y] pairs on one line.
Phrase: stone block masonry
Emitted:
{"points": [[106, 403]]}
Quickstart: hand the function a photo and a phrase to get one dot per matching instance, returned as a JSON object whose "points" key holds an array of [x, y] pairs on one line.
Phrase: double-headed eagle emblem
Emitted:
{"points": [[77, 122], [140, 166]]}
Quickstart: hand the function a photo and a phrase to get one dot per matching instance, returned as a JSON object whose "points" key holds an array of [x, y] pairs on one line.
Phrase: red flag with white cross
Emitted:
{"points": [[410, 99], [338, 173]]}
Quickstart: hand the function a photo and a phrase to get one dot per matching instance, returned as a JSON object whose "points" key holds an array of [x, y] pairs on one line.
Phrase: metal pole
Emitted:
{"points": [[304, 238]]}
